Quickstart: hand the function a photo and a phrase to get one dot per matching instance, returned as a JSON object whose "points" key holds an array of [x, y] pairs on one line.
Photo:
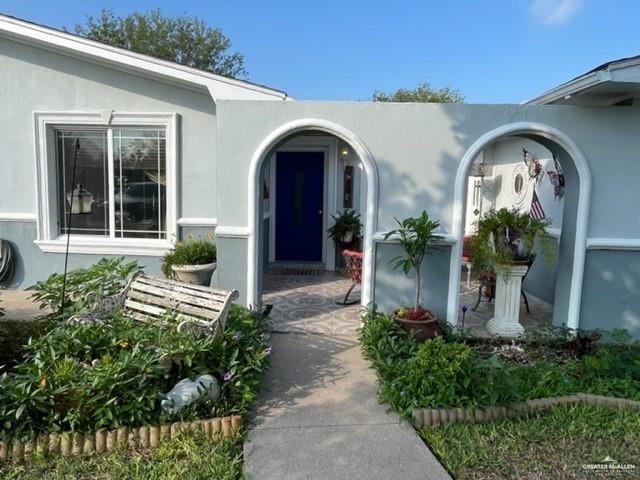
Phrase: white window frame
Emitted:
{"points": [[49, 238]]}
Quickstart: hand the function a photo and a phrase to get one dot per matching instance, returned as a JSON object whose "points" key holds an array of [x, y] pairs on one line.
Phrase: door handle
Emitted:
{"points": [[320, 212]]}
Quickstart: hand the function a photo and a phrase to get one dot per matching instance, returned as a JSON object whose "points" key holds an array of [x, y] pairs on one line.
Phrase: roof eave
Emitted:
{"points": [[118, 57], [573, 87]]}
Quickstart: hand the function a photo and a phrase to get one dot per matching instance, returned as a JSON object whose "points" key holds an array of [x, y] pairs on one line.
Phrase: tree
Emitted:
{"points": [[423, 92], [186, 40]]}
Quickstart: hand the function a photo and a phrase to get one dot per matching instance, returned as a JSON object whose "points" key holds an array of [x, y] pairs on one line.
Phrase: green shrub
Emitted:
{"points": [[84, 377], [445, 372], [193, 251], [107, 277]]}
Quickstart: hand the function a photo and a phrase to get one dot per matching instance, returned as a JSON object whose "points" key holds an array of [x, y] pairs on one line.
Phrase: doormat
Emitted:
{"points": [[292, 270]]}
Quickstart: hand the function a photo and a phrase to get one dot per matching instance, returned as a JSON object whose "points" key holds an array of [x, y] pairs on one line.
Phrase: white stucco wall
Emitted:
{"points": [[33, 80], [417, 150], [503, 157]]}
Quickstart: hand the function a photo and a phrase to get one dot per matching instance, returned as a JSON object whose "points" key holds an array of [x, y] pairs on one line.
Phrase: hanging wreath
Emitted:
{"points": [[557, 179], [533, 166]]}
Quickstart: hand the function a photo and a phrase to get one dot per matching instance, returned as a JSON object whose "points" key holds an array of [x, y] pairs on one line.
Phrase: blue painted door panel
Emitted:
{"points": [[299, 206]]}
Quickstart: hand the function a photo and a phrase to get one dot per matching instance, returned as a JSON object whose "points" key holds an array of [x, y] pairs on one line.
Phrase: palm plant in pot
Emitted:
{"points": [[417, 237], [192, 261]]}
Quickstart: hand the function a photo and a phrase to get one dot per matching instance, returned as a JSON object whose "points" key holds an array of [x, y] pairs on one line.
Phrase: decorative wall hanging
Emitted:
{"points": [[557, 179], [519, 187], [533, 165]]}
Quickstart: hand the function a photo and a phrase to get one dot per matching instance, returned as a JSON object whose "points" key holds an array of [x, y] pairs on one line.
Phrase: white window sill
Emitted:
{"points": [[106, 246]]}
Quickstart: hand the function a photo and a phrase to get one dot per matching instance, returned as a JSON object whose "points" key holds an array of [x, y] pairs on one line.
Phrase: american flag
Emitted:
{"points": [[536, 210]]}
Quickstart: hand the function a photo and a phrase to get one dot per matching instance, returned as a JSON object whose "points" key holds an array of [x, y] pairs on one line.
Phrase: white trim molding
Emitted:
{"points": [[446, 238], [18, 217], [255, 199], [105, 246], [197, 221], [49, 238], [227, 231], [582, 214], [629, 244], [553, 232]]}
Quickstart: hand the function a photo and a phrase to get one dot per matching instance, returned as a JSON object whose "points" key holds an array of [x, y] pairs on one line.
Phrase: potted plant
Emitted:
{"points": [[345, 232], [502, 250], [192, 261], [508, 237], [346, 229], [416, 236]]}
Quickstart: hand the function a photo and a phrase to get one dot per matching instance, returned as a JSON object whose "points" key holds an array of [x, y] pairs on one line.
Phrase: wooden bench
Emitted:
{"points": [[152, 299]]}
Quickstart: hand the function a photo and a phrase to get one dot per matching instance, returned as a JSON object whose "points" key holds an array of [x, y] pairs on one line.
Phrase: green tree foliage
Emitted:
{"points": [[186, 40], [422, 93]]}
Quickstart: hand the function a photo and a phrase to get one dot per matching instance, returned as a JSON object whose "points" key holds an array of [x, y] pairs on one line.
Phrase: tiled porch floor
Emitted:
{"points": [[307, 303]]}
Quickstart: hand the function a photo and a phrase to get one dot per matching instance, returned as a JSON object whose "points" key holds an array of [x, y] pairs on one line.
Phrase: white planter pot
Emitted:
{"points": [[347, 237], [195, 274]]}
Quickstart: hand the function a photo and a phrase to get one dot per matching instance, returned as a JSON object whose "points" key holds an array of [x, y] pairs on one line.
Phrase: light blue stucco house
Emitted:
{"points": [[166, 150]]}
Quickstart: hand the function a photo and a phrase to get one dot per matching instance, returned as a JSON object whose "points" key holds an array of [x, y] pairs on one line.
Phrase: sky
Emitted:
{"points": [[493, 51]]}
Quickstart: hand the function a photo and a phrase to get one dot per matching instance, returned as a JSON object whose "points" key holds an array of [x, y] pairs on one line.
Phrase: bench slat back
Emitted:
{"points": [[148, 299]]}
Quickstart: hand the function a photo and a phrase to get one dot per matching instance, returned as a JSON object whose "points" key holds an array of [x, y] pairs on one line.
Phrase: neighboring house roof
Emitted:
{"points": [[608, 84], [219, 87]]}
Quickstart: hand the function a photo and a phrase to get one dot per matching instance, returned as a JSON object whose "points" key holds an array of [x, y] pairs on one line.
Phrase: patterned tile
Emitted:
{"points": [[307, 303]]}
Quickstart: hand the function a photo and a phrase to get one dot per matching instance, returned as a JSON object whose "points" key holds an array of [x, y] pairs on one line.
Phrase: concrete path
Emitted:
{"points": [[318, 418], [18, 305]]}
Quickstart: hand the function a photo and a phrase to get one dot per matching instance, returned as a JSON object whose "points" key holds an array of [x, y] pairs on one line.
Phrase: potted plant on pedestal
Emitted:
{"points": [[192, 261], [416, 236], [508, 237], [503, 248], [345, 232]]}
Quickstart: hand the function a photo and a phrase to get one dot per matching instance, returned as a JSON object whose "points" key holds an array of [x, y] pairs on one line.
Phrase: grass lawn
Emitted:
{"points": [[555, 445], [189, 457]]}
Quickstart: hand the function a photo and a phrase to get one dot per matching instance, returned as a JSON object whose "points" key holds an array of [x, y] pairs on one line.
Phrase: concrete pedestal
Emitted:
{"points": [[505, 322]]}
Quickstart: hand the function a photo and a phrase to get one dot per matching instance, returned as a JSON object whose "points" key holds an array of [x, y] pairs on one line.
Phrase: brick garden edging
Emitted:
{"points": [[422, 417], [147, 436]]}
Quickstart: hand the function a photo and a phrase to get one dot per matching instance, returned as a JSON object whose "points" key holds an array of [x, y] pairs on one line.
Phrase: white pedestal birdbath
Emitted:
{"points": [[505, 322]]}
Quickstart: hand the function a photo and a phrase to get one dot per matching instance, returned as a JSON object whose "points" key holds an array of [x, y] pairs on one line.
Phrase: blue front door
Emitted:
{"points": [[299, 206]]}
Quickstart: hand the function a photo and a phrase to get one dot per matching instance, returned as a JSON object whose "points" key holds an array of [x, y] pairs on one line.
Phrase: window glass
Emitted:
{"points": [[137, 189], [140, 183], [87, 149]]}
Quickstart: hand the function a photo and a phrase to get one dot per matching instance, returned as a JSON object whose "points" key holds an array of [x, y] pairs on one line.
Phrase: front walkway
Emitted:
{"points": [[319, 418]]}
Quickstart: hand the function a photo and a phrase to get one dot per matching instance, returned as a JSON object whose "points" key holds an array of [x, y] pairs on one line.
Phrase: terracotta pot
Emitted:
{"points": [[424, 329], [194, 274]]}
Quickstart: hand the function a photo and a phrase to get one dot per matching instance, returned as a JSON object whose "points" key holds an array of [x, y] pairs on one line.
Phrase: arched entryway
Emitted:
{"points": [[575, 225], [267, 147]]}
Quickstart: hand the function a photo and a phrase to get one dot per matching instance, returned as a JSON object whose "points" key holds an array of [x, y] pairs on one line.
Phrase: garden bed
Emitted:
{"points": [[451, 371], [112, 376], [451, 382]]}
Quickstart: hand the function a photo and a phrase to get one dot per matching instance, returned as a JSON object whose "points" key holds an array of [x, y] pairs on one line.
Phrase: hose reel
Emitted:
{"points": [[7, 262]]}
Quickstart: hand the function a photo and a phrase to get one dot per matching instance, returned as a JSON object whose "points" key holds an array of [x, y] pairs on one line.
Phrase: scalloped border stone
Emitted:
{"points": [[422, 417], [103, 440]]}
